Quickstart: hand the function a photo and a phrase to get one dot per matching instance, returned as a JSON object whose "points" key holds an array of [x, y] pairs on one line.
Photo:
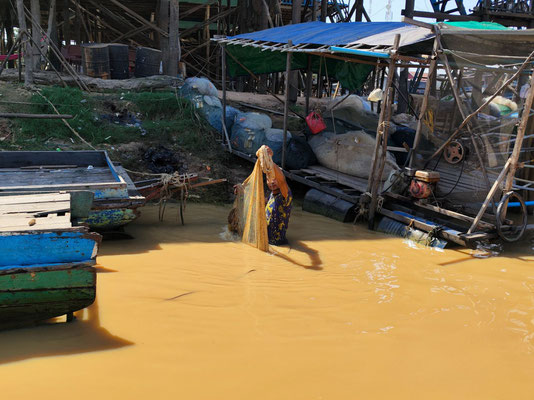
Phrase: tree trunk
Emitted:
{"points": [[28, 71]]}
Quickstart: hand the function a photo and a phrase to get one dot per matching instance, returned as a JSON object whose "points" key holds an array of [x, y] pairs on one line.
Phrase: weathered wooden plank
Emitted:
{"points": [[61, 279], [17, 159], [34, 198], [48, 207], [426, 227], [33, 297]]}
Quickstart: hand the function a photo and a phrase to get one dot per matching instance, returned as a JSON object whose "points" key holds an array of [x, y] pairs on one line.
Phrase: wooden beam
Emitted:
{"points": [[133, 14], [36, 116], [207, 22]]}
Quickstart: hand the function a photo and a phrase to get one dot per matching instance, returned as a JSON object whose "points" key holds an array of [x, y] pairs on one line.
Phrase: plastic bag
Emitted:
{"points": [[315, 122]]}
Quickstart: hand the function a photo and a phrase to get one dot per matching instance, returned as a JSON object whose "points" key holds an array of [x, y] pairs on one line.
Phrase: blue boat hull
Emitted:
{"points": [[47, 247]]}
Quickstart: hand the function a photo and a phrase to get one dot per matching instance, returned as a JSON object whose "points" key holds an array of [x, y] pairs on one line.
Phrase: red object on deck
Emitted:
{"points": [[315, 122]]}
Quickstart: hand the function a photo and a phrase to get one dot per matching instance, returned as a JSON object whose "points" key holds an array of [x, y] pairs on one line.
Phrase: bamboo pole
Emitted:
{"points": [[381, 119], [462, 113], [520, 136], [36, 116], [479, 109], [286, 102], [489, 197]]}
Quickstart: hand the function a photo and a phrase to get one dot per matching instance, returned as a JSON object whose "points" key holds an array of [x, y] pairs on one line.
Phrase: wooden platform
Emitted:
{"points": [[338, 184], [35, 212]]}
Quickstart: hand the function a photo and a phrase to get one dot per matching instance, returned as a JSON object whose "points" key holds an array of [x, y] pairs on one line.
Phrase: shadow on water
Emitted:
{"points": [[313, 254], [53, 338]]}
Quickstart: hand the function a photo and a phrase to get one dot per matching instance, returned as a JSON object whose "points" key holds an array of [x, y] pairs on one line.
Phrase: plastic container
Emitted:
{"points": [[118, 61], [147, 62], [95, 60]]}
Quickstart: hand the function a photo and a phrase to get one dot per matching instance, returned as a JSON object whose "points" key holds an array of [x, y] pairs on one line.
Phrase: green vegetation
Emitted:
{"points": [[111, 118]]}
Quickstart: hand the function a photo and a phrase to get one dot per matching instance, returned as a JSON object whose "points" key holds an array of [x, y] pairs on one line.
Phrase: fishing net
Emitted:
{"points": [[247, 217]]}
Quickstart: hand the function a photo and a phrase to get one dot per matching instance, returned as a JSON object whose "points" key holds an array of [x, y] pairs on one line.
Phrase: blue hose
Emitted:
{"points": [[518, 204]]}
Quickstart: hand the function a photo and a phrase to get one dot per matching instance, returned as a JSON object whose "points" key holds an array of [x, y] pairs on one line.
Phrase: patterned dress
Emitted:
{"points": [[277, 211]]}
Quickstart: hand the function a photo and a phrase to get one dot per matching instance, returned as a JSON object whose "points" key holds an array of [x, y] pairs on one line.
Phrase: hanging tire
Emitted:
{"points": [[501, 208]]}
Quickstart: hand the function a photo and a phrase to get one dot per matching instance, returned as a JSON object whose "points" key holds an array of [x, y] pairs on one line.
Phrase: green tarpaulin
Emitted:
{"points": [[350, 74]]}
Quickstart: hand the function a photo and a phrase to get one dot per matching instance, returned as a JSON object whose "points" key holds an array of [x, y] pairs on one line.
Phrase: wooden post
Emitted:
{"points": [[28, 70], [36, 34], [314, 10], [408, 8], [309, 83], [207, 38], [163, 22], [286, 102], [375, 176], [296, 9], [66, 23], [19, 62], [424, 104], [514, 158], [223, 67], [324, 10], [174, 38]]}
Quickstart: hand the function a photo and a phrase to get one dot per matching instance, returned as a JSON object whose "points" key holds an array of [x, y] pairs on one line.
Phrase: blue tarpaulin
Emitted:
{"points": [[322, 33]]}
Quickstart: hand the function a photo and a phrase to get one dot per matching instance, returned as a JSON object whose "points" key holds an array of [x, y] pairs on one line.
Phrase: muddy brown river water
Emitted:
{"points": [[343, 313]]}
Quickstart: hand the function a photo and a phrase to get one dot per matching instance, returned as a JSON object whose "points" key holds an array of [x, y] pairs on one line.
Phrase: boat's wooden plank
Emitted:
{"points": [[16, 159], [31, 224], [439, 210], [445, 234], [34, 198], [61, 279], [48, 207], [32, 297], [34, 247], [56, 177]]}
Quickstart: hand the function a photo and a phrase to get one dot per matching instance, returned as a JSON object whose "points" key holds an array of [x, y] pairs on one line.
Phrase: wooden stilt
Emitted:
{"points": [[28, 70], [174, 38], [286, 103], [309, 83], [223, 66], [375, 175]]}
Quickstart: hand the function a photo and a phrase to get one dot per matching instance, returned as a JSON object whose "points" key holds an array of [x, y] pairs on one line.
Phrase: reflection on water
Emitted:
{"points": [[339, 313]]}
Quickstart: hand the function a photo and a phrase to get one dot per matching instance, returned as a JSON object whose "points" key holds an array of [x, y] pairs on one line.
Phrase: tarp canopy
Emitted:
{"points": [[321, 33], [490, 46], [251, 49]]}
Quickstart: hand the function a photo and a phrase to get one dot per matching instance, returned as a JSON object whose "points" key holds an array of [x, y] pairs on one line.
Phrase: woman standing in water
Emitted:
{"points": [[278, 207]]}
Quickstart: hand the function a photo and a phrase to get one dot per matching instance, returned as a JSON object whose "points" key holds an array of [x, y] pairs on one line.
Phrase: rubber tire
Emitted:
{"points": [[500, 209]]}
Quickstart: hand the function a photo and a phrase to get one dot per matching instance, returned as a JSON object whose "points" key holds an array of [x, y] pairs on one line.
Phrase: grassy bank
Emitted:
{"points": [[124, 124]]}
